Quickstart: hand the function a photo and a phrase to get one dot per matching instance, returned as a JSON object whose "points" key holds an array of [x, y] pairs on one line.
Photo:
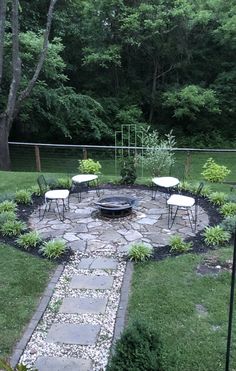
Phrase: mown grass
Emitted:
{"points": [[23, 278], [165, 294]]}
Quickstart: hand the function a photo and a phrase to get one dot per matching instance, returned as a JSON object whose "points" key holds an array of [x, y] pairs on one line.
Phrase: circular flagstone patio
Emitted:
{"points": [[76, 330]]}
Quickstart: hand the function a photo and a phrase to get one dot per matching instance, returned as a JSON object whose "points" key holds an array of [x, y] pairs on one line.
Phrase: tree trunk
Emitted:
{"points": [[5, 162], [154, 88]]}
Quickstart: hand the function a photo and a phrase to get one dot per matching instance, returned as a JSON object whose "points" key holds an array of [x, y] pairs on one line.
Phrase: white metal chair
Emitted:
{"points": [[55, 195], [181, 202]]}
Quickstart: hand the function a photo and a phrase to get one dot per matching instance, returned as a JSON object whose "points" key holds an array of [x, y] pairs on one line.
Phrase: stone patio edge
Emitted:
{"points": [[43, 303], [123, 303]]}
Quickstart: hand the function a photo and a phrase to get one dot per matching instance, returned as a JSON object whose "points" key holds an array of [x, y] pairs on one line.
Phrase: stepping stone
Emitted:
{"points": [[83, 305], [98, 263], [69, 333], [91, 282], [149, 221], [63, 364], [133, 235]]}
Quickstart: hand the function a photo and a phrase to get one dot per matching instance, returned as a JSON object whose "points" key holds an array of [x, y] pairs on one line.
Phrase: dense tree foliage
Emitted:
{"points": [[166, 63]]}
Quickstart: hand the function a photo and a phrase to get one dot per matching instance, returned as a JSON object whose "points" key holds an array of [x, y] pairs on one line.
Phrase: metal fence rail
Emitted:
{"points": [[61, 158]]}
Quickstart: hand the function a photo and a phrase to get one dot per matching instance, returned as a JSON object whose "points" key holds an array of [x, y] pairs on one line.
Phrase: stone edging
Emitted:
{"points": [[20, 346], [122, 309]]}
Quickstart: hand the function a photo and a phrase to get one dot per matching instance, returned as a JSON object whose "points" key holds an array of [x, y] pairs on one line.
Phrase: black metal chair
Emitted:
{"points": [[50, 196], [182, 202]]}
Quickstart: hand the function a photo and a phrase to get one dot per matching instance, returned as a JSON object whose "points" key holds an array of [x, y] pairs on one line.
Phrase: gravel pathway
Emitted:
{"points": [[76, 330]]}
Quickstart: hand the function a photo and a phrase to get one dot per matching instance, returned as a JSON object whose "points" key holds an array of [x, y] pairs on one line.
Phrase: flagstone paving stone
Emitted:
{"points": [[98, 263], [91, 282], [73, 334], [63, 364], [83, 305]]}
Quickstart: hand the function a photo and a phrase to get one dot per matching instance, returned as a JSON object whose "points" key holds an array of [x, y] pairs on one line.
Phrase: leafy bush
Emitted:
{"points": [[23, 196], [206, 190], [218, 198], [29, 240], [185, 186], [89, 166], [65, 182], [12, 228], [214, 172], [128, 171], [138, 349], [8, 206], [228, 209], [53, 249], [140, 252], [216, 235], [177, 244], [158, 157], [229, 224], [35, 190], [7, 215]]}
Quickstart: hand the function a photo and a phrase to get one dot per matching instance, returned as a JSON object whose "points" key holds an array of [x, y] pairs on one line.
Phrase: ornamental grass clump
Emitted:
{"points": [[53, 249], [23, 196], [13, 228], [8, 206], [177, 244], [214, 172], [228, 209], [6, 216], [29, 240], [216, 236], [218, 198], [64, 182], [140, 252]]}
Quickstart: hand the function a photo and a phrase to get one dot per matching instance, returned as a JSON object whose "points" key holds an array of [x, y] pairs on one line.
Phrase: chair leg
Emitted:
{"points": [[154, 191], [171, 216], [97, 188]]}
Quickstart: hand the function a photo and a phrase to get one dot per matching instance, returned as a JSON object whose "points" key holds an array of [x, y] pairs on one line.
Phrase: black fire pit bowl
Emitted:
{"points": [[115, 206]]}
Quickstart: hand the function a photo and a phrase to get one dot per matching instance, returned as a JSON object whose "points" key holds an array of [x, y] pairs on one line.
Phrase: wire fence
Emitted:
{"points": [[58, 158]]}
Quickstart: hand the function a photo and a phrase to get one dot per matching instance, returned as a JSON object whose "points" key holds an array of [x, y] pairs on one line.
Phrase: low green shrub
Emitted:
{"points": [[65, 182], [218, 198], [12, 228], [214, 172], [8, 206], [23, 196], [29, 240], [35, 190], [7, 215], [177, 244], [53, 249], [138, 349], [216, 236], [89, 166], [140, 252], [185, 186], [228, 209], [128, 171], [206, 190], [229, 224]]}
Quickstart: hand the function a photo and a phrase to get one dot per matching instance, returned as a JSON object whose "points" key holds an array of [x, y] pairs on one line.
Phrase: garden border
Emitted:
{"points": [[46, 297]]}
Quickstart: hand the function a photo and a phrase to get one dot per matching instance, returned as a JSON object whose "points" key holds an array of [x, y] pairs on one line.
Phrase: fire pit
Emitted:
{"points": [[115, 206]]}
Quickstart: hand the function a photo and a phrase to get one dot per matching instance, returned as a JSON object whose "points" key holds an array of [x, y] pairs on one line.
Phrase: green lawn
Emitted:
{"points": [[166, 293], [23, 278]]}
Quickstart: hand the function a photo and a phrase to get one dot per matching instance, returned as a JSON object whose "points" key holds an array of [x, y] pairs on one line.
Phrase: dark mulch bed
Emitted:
{"points": [[24, 211], [198, 241]]}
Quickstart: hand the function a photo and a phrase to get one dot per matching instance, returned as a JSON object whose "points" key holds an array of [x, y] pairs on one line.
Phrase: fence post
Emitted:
{"points": [[188, 164], [85, 153], [37, 158]]}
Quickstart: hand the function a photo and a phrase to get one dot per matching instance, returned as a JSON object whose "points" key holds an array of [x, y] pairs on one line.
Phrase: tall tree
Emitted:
{"points": [[16, 97]]}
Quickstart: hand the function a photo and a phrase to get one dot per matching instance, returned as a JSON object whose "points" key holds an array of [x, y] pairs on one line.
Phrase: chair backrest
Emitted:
{"points": [[42, 184]]}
